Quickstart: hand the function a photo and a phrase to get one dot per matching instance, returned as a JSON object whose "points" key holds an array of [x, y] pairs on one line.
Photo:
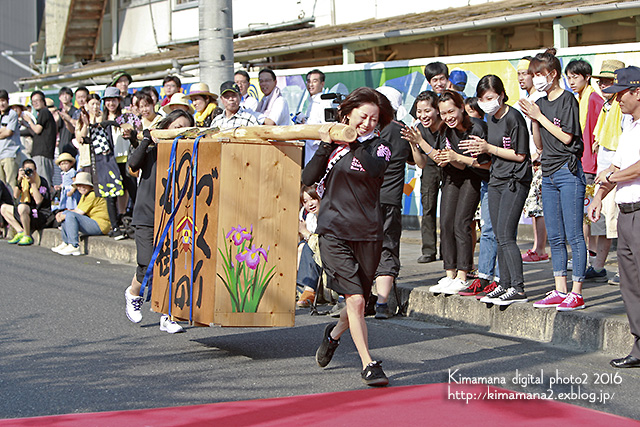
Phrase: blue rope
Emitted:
{"points": [[194, 169], [146, 282]]}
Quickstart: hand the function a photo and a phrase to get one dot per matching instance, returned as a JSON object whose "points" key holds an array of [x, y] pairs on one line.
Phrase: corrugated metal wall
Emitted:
{"points": [[19, 20]]}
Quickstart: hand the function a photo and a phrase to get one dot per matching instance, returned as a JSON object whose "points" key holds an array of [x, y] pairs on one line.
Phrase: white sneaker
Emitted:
{"points": [[59, 247], [570, 265], [168, 325], [70, 250], [133, 305], [455, 286], [442, 283]]}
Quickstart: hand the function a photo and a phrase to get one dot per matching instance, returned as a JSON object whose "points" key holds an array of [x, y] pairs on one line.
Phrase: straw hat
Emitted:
{"points": [[201, 89], [609, 66], [65, 156], [83, 178], [178, 99], [49, 102], [15, 102]]}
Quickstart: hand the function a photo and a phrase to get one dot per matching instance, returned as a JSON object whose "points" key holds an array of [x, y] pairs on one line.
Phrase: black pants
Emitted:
{"points": [[130, 185], [505, 208], [429, 187], [629, 269], [390, 258], [460, 198]]}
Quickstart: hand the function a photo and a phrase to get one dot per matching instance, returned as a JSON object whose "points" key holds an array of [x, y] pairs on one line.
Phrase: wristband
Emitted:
{"points": [[431, 151], [607, 176]]}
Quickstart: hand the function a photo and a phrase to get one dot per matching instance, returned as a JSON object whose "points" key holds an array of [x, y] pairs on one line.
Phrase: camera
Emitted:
{"points": [[331, 114], [28, 172]]}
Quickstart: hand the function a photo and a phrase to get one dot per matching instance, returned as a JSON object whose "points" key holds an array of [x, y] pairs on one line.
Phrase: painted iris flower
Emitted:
{"points": [[239, 234], [252, 256]]}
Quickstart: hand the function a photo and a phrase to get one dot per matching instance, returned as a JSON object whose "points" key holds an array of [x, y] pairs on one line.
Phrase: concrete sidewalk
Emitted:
{"points": [[601, 326]]}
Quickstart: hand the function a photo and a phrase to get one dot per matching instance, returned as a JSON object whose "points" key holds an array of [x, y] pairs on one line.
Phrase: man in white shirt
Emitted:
{"points": [[272, 106], [233, 115], [624, 173], [313, 113], [241, 78]]}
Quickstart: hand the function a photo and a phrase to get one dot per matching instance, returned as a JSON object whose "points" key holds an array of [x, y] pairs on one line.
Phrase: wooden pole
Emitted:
{"points": [[338, 132]]}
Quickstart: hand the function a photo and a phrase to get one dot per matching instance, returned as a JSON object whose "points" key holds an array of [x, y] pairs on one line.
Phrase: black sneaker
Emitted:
{"points": [[373, 375], [511, 296], [493, 296], [118, 234], [327, 347], [383, 311]]}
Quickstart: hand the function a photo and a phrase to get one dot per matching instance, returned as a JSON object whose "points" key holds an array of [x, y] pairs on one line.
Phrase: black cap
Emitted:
{"points": [[229, 86], [625, 78]]}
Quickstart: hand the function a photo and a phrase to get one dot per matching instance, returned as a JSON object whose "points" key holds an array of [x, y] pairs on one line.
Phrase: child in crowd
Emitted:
{"points": [[472, 108], [308, 269], [69, 197]]}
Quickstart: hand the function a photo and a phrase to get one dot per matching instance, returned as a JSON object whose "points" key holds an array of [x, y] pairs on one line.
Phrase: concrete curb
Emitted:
{"points": [[584, 329]]}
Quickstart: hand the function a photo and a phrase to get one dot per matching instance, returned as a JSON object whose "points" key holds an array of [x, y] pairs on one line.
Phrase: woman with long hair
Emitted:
{"points": [[143, 159], [349, 178], [462, 178], [556, 131], [510, 177]]}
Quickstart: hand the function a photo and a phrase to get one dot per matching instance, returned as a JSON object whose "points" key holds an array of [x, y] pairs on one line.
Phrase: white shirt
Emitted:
{"points": [[315, 116], [628, 153], [531, 98], [279, 111], [242, 117], [249, 102]]}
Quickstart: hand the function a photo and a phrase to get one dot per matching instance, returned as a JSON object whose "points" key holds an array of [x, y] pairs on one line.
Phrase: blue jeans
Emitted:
{"points": [[563, 206], [309, 271], [74, 223], [487, 266]]}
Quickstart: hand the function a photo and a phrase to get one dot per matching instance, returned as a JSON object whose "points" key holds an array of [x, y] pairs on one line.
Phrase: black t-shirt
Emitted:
{"points": [[450, 139], [66, 146], [144, 158], [393, 184], [510, 131], [431, 139], [6, 195], [44, 144], [350, 208], [563, 112]]}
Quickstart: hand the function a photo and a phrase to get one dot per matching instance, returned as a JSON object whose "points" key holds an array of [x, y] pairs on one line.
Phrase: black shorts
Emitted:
{"points": [[38, 218], [144, 249], [390, 258], [350, 264]]}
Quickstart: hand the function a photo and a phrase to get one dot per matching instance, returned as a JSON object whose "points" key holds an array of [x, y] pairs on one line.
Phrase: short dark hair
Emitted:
{"points": [[4, 94], [142, 96], [435, 69], [311, 190], [66, 90], [242, 73], [579, 66], [174, 79], [366, 95], [82, 89], [315, 71], [93, 96], [428, 96], [173, 116], [458, 101], [29, 161], [38, 92], [150, 90], [472, 102], [268, 71]]}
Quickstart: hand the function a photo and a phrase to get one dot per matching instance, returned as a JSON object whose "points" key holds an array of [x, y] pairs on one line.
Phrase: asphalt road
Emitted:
{"points": [[67, 346]]}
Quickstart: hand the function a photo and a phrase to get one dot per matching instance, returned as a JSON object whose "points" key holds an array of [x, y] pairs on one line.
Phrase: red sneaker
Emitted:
{"points": [[553, 299], [473, 289], [572, 302], [487, 289], [532, 257]]}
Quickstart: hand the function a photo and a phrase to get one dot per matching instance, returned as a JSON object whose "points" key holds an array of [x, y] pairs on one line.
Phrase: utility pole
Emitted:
{"points": [[216, 42]]}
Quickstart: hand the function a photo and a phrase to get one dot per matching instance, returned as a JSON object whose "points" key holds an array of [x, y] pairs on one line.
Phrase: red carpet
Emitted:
{"points": [[392, 406]]}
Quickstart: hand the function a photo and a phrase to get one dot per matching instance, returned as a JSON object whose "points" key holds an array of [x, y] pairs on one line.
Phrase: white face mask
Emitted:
{"points": [[490, 107], [541, 84]]}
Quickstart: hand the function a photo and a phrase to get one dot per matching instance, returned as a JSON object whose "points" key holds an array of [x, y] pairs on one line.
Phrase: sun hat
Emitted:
{"points": [[65, 156], [178, 99], [608, 68], [83, 178], [115, 76], [15, 102], [111, 92], [201, 89], [395, 98]]}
